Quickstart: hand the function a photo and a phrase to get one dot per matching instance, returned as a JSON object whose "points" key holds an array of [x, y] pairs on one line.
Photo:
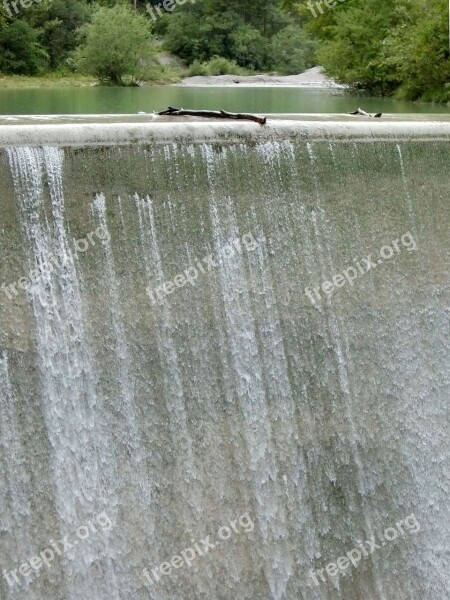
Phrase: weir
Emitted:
{"points": [[205, 320]]}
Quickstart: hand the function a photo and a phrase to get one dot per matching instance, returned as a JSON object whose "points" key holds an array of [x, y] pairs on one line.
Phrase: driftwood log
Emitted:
{"points": [[211, 114], [363, 113]]}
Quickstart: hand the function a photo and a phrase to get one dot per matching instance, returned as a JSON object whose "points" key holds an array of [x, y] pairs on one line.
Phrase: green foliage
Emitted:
{"points": [[118, 46], [352, 54], [192, 35], [198, 68], [216, 66], [58, 25], [250, 47], [20, 51], [3, 17], [214, 36], [164, 73], [388, 47], [292, 51], [417, 50], [243, 33]]}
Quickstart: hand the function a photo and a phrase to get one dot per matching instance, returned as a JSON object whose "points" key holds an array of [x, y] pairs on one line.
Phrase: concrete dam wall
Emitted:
{"points": [[224, 361]]}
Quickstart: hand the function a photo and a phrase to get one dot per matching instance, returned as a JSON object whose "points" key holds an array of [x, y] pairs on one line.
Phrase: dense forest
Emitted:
{"points": [[386, 47]]}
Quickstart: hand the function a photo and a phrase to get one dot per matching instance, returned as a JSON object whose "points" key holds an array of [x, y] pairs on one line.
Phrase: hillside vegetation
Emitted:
{"points": [[386, 47]]}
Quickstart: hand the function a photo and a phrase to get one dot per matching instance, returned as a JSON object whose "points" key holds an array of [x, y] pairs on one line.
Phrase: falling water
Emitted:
{"points": [[176, 405], [79, 442]]}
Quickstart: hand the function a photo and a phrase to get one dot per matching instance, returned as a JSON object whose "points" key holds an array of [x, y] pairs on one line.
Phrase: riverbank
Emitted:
{"points": [[46, 81], [310, 79], [313, 79]]}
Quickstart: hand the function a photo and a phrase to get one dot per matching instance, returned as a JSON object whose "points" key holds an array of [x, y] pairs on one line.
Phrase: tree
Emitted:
{"points": [[232, 29], [3, 17], [118, 43], [292, 50], [388, 47], [417, 49], [197, 35], [20, 51], [57, 22], [353, 39]]}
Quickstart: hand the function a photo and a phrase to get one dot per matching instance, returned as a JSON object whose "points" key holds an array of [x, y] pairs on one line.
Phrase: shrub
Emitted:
{"points": [[118, 45], [292, 51], [222, 66], [216, 66], [250, 48], [198, 68], [20, 51]]}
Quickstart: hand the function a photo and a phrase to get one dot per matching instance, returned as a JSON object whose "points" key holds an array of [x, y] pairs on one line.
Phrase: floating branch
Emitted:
{"points": [[211, 114], [363, 113]]}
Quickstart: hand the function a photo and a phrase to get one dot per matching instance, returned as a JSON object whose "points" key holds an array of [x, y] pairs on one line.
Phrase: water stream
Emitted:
{"points": [[175, 361]]}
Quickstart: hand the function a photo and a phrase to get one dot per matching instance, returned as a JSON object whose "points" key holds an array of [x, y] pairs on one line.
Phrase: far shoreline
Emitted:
{"points": [[312, 79]]}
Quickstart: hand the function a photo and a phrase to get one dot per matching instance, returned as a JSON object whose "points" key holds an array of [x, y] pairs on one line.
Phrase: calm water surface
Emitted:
{"points": [[93, 100]]}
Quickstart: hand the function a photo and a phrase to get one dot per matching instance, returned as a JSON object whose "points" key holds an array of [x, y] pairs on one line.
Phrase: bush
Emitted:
{"points": [[193, 35], [250, 48], [58, 25], [292, 51], [198, 68], [216, 66], [418, 53], [222, 66], [352, 50], [20, 52], [118, 45]]}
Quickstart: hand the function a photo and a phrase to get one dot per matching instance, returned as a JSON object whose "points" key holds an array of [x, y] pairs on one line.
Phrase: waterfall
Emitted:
{"points": [[80, 447], [212, 322]]}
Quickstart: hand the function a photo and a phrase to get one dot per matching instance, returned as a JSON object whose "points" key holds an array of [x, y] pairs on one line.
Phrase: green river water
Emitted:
{"points": [[101, 100]]}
